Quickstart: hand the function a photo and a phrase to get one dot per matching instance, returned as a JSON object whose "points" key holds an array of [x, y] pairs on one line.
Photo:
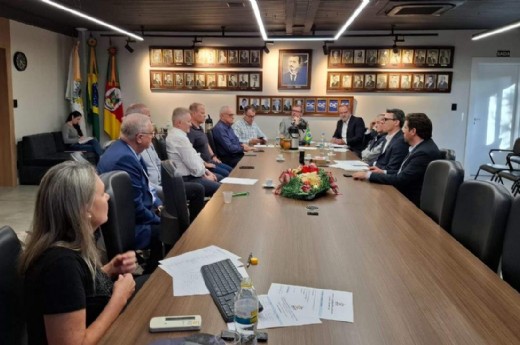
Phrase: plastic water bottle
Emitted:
{"points": [[322, 140], [246, 311]]}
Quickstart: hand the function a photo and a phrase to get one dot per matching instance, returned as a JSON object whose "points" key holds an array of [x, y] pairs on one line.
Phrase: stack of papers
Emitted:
{"points": [[291, 305], [185, 269], [237, 180], [350, 166]]}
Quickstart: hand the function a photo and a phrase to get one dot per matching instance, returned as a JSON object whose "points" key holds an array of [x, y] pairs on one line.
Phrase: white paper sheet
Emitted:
{"points": [[351, 165], [237, 180], [278, 312]]}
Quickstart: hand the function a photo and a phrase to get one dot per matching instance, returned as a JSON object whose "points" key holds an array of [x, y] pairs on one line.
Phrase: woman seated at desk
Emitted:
{"points": [[73, 136], [69, 297]]}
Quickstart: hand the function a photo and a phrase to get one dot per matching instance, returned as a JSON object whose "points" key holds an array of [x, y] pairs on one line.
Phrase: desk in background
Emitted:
{"points": [[412, 282]]}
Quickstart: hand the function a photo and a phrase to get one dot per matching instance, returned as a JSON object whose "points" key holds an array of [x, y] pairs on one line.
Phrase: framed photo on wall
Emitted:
{"points": [[294, 69], [205, 80]]}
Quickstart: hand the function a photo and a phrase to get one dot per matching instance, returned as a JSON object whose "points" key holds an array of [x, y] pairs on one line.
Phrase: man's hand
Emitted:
{"points": [[338, 141], [360, 175], [254, 141], [246, 148], [376, 170], [216, 160], [210, 176], [209, 165]]}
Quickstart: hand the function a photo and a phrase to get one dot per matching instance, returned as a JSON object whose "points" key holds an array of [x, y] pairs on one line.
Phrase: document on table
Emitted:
{"points": [[185, 269], [351, 165], [237, 180], [278, 312], [307, 148], [322, 303]]}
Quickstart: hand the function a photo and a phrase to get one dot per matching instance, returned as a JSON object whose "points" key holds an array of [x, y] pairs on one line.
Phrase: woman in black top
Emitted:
{"points": [[69, 297]]}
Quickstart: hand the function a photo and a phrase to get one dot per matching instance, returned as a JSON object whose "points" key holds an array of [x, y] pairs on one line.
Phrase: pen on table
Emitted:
{"points": [[241, 194]]}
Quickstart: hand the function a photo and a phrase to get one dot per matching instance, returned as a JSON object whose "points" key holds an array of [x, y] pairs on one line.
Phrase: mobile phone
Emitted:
{"points": [[246, 167], [175, 323], [347, 175]]}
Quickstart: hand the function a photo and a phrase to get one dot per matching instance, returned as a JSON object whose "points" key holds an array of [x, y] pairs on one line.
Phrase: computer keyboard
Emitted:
{"points": [[223, 281]]}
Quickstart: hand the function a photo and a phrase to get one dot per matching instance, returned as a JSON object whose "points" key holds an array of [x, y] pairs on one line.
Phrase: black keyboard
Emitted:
{"points": [[223, 282]]}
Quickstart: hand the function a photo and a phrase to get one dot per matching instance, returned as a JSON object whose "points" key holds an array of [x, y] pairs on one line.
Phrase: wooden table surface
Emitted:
{"points": [[412, 283]]}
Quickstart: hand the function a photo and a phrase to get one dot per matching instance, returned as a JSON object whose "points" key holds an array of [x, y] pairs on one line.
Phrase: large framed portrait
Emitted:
{"points": [[294, 69]]}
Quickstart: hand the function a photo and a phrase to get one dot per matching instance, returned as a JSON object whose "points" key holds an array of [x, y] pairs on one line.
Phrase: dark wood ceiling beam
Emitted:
{"points": [[289, 16], [311, 16]]}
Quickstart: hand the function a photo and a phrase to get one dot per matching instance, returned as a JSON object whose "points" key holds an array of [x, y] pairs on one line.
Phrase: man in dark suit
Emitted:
{"points": [[395, 148], [124, 154], [417, 132], [350, 130], [296, 72]]}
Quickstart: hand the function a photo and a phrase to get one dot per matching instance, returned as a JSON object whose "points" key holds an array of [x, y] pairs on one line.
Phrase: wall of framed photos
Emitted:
{"points": [[370, 81], [197, 80], [390, 57], [282, 104]]}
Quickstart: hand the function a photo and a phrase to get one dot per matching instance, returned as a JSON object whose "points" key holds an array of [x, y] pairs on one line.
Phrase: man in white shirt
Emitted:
{"points": [[247, 130], [188, 162]]}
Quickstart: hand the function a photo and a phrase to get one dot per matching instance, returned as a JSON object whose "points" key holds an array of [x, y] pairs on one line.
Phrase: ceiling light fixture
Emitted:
{"points": [[261, 27], [194, 46], [127, 45], [496, 31], [92, 19]]}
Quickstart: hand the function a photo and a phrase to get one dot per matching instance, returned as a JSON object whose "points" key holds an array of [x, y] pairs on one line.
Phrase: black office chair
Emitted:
{"points": [[211, 141], [175, 216], [494, 167], [448, 154], [159, 143], [12, 320], [480, 218], [513, 174], [439, 192], [119, 230], [511, 249]]}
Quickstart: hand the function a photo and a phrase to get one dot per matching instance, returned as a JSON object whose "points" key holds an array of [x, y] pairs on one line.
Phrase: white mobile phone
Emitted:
{"points": [[175, 323]]}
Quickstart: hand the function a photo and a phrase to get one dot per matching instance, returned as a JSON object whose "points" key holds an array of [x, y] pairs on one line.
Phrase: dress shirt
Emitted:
{"points": [[153, 166], [246, 132], [180, 150], [389, 138], [226, 140], [344, 130]]}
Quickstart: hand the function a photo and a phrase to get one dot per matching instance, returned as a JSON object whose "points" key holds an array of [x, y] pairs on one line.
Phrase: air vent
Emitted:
{"points": [[235, 4], [419, 10]]}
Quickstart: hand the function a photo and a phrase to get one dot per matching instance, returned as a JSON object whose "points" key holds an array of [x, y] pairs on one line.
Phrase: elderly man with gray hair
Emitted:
{"points": [[125, 154], [227, 144], [188, 162]]}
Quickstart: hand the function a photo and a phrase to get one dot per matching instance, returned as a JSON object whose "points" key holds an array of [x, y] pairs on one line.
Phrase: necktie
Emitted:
{"points": [[293, 77]]}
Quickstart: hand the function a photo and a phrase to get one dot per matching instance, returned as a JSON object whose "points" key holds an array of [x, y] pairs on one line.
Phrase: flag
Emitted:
{"points": [[113, 114], [92, 89], [308, 137], [73, 92]]}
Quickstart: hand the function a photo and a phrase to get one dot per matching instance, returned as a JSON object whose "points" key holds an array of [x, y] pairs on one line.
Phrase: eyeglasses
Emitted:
{"points": [[384, 119], [152, 133]]}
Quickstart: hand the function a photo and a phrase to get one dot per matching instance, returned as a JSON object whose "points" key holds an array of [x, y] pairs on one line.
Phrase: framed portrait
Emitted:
{"points": [[244, 102], [221, 80], [371, 56], [243, 82], [445, 57], [382, 81], [211, 81], [407, 56], [155, 57], [189, 80], [393, 81], [156, 79], [167, 56], [443, 82], [370, 81], [255, 103], [265, 105], [406, 81], [276, 106], [333, 105], [298, 102], [347, 56], [310, 105], [178, 56], [395, 56], [243, 58], [200, 80], [233, 57], [287, 105], [188, 57], [430, 81], [334, 80], [359, 81], [346, 81], [321, 105], [254, 57], [334, 57], [232, 80], [179, 80], [359, 56], [418, 81], [255, 80], [168, 79], [432, 56], [294, 69], [383, 56], [420, 57]]}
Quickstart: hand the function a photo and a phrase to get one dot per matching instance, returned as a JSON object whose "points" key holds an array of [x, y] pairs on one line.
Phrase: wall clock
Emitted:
{"points": [[20, 61]]}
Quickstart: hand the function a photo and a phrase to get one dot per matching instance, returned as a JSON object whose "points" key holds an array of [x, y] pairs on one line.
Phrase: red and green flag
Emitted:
{"points": [[92, 89], [113, 114]]}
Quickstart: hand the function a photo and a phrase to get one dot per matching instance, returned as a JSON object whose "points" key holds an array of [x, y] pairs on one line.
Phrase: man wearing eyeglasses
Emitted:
{"points": [[417, 132], [228, 146], [295, 119], [350, 130], [247, 130]]}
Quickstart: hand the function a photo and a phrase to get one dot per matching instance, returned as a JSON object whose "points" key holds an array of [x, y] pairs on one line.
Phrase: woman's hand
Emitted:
{"points": [[124, 287], [121, 264]]}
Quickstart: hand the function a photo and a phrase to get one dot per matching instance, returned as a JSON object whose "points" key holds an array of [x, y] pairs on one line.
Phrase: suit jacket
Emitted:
{"points": [[119, 156], [355, 133], [391, 159], [301, 78], [409, 179]]}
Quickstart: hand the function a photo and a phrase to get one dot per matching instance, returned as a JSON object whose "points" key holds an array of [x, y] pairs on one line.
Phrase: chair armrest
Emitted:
{"points": [[497, 150]]}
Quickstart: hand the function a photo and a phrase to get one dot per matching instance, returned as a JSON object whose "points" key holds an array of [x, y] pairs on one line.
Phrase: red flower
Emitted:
{"points": [[306, 188]]}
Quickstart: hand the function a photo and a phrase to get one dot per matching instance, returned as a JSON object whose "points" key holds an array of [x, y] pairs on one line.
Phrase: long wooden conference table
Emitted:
{"points": [[412, 283]]}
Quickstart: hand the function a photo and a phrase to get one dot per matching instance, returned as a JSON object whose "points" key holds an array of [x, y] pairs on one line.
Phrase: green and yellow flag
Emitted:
{"points": [[92, 89], [113, 114]]}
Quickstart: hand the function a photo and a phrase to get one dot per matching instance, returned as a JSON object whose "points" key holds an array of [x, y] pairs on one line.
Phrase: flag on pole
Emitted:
{"points": [[73, 92], [92, 89], [113, 114]]}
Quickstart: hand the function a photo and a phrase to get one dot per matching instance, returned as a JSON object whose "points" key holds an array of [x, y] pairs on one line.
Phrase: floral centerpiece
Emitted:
{"points": [[306, 182]]}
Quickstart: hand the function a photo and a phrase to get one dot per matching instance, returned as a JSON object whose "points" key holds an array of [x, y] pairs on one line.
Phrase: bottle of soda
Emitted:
{"points": [[208, 124], [246, 311]]}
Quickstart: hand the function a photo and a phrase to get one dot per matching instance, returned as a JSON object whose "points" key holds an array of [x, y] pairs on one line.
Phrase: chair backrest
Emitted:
{"points": [[175, 217], [516, 147], [119, 230], [448, 154], [211, 141], [78, 157], [511, 249], [160, 147], [12, 321], [439, 192], [480, 219]]}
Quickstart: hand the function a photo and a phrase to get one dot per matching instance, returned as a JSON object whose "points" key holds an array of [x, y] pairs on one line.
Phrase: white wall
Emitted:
{"points": [[42, 107], [40, 89]]}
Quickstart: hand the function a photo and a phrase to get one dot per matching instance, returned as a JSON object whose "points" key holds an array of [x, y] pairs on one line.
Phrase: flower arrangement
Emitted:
{"points": [[306, 182]]}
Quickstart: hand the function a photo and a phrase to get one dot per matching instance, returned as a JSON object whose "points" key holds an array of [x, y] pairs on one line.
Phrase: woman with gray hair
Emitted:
{"points": [[69, 297]]}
